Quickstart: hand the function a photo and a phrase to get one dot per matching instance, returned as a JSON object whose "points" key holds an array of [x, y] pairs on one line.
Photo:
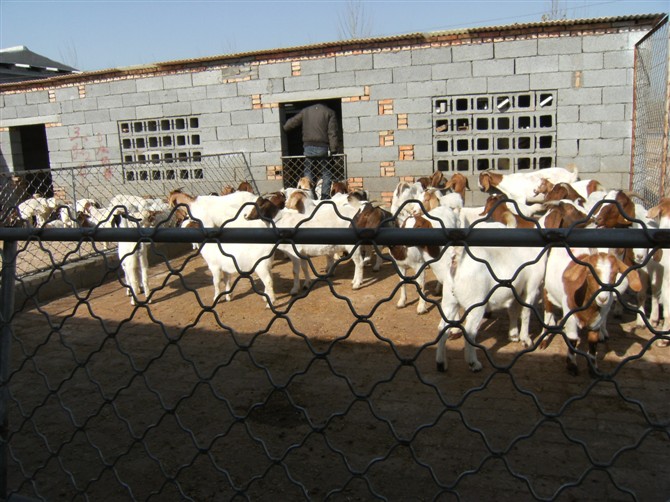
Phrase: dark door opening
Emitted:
{"points": [[292, 149], [35, 159]]}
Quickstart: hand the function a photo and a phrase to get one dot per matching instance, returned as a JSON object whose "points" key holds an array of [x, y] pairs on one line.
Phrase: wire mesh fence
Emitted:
{"points": [[332, 393], [650, 127], [293, 168], [86, 196]]}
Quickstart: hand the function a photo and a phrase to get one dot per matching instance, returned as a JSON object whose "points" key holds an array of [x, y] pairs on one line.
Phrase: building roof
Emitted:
{"points": [[460, 36], [18, 64]]}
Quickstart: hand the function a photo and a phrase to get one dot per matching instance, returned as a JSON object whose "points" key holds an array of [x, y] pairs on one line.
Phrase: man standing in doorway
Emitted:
{"points": [[320, 140]]}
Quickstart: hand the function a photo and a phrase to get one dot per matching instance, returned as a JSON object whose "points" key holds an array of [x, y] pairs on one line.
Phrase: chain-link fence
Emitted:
{"points": [[86, 196], [650, 127], [332, 394], [293, 168]]}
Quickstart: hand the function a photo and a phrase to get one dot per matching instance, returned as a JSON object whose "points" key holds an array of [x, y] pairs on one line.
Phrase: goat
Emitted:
{"points": [[470, 284], [245, 186], [406, 200], [521, 186], [582, 289], [36, 210], [497, 210], [134, 259], [458, 183], [224, 259], [661, 212]]}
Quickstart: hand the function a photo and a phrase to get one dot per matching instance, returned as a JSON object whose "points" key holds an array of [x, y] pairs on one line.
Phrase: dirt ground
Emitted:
{"points": [[330, 395]]}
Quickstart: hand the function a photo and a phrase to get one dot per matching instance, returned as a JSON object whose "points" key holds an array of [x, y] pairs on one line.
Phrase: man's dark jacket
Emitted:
{"points": [[319, 127]]}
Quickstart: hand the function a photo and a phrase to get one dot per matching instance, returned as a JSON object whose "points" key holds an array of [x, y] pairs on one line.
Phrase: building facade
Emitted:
{"points": [[512, 98]]}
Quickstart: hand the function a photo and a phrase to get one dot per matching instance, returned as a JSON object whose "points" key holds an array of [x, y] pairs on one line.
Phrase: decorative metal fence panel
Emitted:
{"points": [[56, 198], [650, 127], [332, 393], [293, 169]]}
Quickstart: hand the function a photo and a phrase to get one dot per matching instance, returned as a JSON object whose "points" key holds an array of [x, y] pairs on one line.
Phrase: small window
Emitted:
{"points": [[482, 124], [462, 104], [523, 101]]}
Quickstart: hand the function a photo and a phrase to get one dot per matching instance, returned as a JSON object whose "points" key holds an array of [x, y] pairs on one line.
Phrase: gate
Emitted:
{"points": [[651, 115], [329, 394]]}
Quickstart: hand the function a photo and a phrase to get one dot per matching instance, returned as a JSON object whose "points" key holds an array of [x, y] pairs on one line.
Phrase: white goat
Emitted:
{"points": [[404, 192], [134, 258], [37, 208], [224, 259], [468, 283]]}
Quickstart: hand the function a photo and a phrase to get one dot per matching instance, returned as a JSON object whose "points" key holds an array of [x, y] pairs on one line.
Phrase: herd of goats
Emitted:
{"points": [[582, 285]]}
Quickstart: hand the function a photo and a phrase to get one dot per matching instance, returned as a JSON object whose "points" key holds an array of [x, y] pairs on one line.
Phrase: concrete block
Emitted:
{"points": [[580, 96], [378, 123], [380, 154], [423, 152], [117, 114], [567, 148], [414, 137], [418, 90], [364, 170], [85, 104], [221, 91], [48, 109], [601, 113], [66, 93], [578, 131], [388, 91], [263, 159], [620, 59], [236, 104], [271, 116], [353, 62], [559, 45], [604, 78], [452, 70], [28, 111], [190, 94], [149, 111], [350, 126], [202, 106], [420, 121], [391, 59], [123, 86], [274, 70], [580, 62], [308, 83], [272, 144], [412, 73], [93, 116], [515, 49], [607, 42], [176, 109], [264, 130], [159, 97], [177, 81], [214, 120], [246, 117], [517, 83], [558, 80], [149, 84], [339, 79], [431, 55], [615, 164], [109, 101], [416, 103], [567, 114], [232, 132], [206, 78], [486, 68], [374, 77], [621, 129], [98, 89], [414, 168], [361, 139], [360, 109], [600, 147], [251, 87], [18, 99], [37, 97], [472, 52], [135, 99], [317, 66], [354, 154], [467, 86], [537, 64]]}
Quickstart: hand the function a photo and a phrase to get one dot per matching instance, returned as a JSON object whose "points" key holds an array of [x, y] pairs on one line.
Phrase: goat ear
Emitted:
{"points": [[485, 182], [633, 276], [658, 255], [554, 220], [574, 283], [654, 212]]}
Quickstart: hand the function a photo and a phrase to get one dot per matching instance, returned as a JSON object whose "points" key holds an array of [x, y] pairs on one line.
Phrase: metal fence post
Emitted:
{"points": [[6, 313]]}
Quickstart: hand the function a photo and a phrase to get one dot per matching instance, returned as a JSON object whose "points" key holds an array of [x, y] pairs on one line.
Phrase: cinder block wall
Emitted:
{"points": [[387, 95]]}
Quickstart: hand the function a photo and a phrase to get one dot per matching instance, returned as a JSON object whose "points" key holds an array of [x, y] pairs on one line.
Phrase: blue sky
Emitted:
{"points": [[101, 34]]}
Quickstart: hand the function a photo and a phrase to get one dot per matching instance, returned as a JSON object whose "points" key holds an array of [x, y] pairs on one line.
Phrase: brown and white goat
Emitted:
{"points": [[583, 290]]}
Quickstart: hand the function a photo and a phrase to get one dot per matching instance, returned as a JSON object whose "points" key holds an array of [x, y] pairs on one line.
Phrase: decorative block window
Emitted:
{"points": [[172, 140], [508, 131]]}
